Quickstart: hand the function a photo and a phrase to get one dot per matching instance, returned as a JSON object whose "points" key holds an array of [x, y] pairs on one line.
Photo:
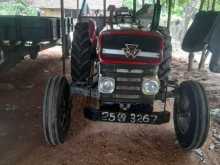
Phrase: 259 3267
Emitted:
{"points": [[123, 117]]}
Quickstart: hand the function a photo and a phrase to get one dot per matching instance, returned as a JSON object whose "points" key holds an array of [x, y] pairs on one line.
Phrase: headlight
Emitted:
{"points": [[150, 87], [106, 85]]}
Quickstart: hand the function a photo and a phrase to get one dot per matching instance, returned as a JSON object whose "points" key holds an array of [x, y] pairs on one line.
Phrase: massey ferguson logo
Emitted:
{"points": [[131, 50]]}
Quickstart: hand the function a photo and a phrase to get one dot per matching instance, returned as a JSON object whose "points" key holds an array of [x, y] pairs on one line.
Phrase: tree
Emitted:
{"points": [[19, 7], [128, 3]]}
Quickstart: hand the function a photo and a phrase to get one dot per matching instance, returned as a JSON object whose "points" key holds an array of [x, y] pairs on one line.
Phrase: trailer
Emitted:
{"points": [[27, 35]]}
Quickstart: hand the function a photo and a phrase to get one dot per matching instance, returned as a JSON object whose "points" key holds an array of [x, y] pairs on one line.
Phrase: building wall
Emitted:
{"points": [[56, 12], [50, 12]]}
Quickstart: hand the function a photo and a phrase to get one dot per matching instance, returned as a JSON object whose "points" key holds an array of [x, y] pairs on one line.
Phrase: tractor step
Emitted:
{"points": [[120, 116]]}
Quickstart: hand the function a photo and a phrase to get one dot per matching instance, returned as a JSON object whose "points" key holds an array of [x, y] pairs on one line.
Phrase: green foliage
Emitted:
{"points": [[128, 3], [183, 2], [20, 7], [207, 4], [178, 5], [178, 10], [217, 7]]}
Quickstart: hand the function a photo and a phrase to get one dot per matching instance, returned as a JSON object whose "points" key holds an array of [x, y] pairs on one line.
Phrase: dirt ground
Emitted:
{"points": [[89, 143]]}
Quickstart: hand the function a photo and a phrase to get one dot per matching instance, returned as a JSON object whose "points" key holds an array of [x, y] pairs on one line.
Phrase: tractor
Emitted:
{"points": [[122, 57]]}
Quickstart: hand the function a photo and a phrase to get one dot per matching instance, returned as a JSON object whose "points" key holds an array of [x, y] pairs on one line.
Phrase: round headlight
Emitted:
{"points": [[150, 87], [106, 85]]}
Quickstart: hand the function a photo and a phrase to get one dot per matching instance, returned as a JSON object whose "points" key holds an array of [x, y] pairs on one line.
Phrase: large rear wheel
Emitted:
{"points": [[165, 66], [191, 115], [56, 110], [81, 53]]}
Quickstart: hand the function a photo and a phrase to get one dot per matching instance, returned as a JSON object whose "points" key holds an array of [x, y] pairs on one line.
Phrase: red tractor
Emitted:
{"points": [[122, 57]]}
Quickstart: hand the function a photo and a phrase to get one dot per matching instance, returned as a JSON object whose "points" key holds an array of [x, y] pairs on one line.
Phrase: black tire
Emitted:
{"points": [[165, 66], [191, 115], [56, 110], [81, 53]]}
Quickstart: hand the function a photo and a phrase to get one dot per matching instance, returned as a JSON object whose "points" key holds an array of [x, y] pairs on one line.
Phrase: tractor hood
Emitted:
{"points": [[130, 47]]}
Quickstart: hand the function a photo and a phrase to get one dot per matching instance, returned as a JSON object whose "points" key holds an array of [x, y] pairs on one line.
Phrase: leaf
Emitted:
{"points": [[20, 7]]}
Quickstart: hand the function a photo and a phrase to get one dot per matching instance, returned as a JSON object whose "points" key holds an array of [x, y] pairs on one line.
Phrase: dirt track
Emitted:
{"points": [[88, 143]]}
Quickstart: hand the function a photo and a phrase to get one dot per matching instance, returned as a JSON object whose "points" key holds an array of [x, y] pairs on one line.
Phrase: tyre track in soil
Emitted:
{"points": [[88, 143]]}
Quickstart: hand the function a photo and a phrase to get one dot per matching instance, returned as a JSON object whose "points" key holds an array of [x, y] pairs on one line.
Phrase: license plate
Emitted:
{"points": [[123, 117]]}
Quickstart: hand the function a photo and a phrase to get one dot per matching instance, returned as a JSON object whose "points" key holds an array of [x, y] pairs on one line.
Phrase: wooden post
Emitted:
{"points": [[104, 12], [143, 1], [205, 53], [63, 35], [190, 64], [169, 14], [213, 5], [201, 5], [77, 4], [203, 59]]}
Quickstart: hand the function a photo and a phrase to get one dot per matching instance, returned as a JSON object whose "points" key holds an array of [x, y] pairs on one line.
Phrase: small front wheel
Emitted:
{"points": [[191, 115], [56, 110]]}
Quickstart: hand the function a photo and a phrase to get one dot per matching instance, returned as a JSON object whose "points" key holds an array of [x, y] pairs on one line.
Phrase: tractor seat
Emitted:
{"points": [[199, 32]]}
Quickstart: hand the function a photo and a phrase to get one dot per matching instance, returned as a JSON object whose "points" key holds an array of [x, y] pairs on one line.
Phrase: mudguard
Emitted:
{"points": [[214, 46], [214, 38], [199, 32]]}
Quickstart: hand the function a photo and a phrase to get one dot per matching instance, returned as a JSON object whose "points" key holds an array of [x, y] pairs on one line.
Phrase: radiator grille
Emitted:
{"points": [[128, 81]]}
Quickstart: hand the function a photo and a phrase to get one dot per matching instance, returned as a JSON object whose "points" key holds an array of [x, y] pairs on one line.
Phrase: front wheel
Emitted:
{"points": [[191, 115], [56, 110]]}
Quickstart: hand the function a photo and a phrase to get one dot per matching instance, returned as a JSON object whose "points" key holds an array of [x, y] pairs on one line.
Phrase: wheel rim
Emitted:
{"points": [[184, 114]]}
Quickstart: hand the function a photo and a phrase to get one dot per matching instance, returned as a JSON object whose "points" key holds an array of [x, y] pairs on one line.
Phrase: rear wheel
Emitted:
{"points": [[81, 53], [56, 110], [165, 66], [191, 115]]}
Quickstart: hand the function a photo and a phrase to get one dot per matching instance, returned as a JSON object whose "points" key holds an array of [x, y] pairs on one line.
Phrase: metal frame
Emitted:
{"points": [[134, 10]]}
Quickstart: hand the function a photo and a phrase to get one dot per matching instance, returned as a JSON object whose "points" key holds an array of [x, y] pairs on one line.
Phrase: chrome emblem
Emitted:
{"points": [[131, 50]]}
